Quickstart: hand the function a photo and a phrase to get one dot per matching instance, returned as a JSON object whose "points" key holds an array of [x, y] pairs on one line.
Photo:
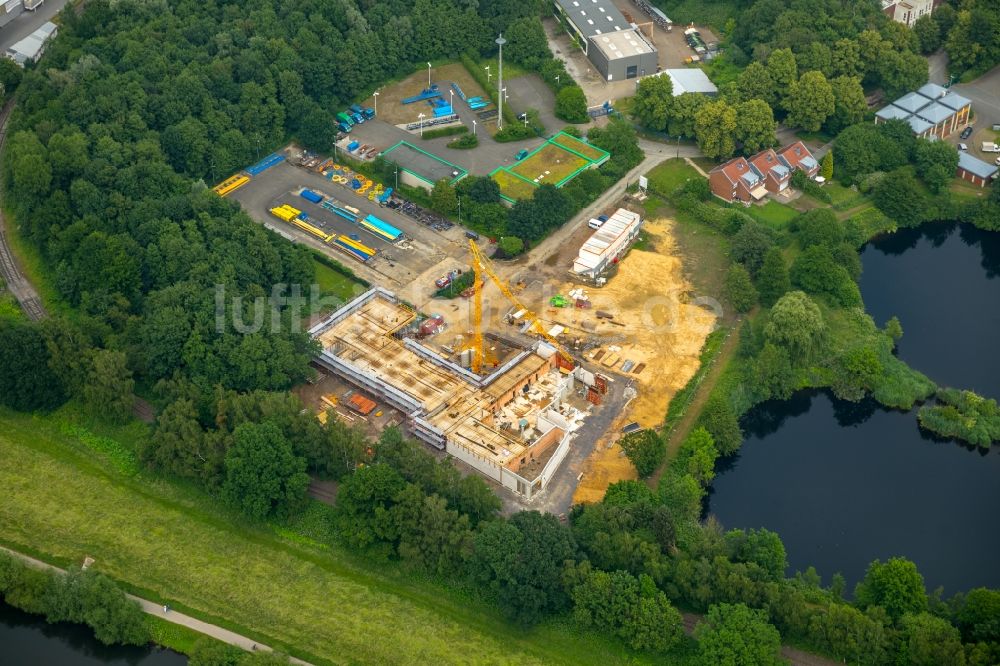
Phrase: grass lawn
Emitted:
{"points": [[576, 145], [965, 190], [70, 492], [840, 195], [670, 174], [773, 214], [335, 283], [512, 186], [551, 164]]}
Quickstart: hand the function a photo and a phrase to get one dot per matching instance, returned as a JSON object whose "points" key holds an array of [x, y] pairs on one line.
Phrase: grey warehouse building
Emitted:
{"points": [[616, 47]]}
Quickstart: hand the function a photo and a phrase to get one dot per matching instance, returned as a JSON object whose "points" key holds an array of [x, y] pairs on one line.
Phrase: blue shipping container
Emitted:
{"points": [[265, 164], [352, 146], [309, 195]]}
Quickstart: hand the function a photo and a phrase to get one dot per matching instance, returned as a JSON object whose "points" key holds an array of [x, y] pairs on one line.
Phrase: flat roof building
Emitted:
{"points": [[511, 425], [690, 80], [614, 46], [32, 47], [608, 244]]}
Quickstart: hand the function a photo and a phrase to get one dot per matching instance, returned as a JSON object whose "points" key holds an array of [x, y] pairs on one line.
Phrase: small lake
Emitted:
{"points": [[27, 640], [845, 483]]}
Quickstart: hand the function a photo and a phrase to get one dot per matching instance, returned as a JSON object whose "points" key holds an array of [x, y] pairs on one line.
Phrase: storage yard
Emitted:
{"points": [[353, 225]]}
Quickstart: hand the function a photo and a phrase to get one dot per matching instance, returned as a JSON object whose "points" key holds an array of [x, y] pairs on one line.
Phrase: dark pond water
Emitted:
{"points": [[846, 483], [27, 640]]}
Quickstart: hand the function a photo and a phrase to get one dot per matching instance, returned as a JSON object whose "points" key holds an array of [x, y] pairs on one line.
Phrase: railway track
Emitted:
{"points": [[16, 282]]}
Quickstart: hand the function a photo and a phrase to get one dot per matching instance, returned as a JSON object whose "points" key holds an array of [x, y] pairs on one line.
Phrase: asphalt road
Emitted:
{"points": [[28, 22]]}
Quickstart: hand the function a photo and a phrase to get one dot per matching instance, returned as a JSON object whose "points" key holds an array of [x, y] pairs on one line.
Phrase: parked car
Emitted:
{"points": [[967, 132], [602, 218], [996, 127], [472, 235], [521, 154], [962, 146]]}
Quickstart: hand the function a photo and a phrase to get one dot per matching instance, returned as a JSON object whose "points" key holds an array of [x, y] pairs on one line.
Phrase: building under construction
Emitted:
{"points": [[513, 424]]}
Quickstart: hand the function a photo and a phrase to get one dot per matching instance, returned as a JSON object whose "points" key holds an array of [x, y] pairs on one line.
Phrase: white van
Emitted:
{"points": [[595, 224]]}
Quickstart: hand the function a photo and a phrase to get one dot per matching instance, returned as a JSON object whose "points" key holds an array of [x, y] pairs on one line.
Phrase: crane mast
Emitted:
{"points": [[481, 264]]}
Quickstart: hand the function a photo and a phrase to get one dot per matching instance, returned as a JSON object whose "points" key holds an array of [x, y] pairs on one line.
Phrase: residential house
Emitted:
{"points": [[908, 11], [737, 180], [798, 158], [975, 170], [775, 173]]}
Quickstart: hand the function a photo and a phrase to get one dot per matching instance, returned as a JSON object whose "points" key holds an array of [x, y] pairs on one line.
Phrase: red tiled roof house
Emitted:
{"points": [[797, 156], [776, 175], [737, 180]]}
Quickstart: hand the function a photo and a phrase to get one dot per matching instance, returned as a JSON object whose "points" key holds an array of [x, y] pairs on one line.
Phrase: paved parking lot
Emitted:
{"points": [[985, 95], [409, 267]]}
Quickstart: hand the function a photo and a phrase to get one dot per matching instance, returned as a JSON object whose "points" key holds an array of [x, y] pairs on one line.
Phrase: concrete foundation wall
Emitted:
{"points": [[483, 466]]}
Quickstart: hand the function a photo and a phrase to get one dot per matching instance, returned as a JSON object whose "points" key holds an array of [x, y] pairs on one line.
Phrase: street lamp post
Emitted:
{"points": [[489, 77], [557, 80], [473, 128], [678, 146], [428, 75], [460, 209], [397, 179], [452, 100], [375, 95], [421, 119], [500, 41]]}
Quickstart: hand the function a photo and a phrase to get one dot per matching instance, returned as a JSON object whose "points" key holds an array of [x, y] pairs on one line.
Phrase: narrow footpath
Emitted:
{"points": [[153, 608], [11, 273]]}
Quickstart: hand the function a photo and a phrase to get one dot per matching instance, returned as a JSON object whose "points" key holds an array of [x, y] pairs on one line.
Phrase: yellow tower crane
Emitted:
{"points": [[482, 264]]}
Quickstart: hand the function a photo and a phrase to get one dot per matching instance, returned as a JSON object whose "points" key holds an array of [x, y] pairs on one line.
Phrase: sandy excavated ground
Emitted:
{"points": [[662, 329]]}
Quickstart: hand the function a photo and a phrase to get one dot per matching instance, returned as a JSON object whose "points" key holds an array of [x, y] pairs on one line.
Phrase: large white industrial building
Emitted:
{"points": [[608, 244]]}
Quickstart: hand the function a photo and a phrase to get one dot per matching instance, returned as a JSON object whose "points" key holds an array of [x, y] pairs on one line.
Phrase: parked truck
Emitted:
{"points": [[346, 119], [990, 147], [32, 5]]}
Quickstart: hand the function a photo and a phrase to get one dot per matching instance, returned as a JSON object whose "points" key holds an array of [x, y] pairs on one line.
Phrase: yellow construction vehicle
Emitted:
{"points": [[481, 264]]}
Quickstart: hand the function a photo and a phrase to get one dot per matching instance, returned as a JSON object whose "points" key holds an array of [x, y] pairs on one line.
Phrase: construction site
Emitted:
{"points": [[513, 423]]}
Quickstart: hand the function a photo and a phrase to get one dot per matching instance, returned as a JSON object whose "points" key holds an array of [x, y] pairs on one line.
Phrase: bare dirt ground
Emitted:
{"points": [[656, 323], [391, 108]]}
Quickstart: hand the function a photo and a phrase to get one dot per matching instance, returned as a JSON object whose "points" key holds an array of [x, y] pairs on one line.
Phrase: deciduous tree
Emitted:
{"points": [[108, 391], [796, 324], [810, 101], [264, 478], [736, 634], [895, 585], [652, 105], [755, 126], [715, 127]]}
